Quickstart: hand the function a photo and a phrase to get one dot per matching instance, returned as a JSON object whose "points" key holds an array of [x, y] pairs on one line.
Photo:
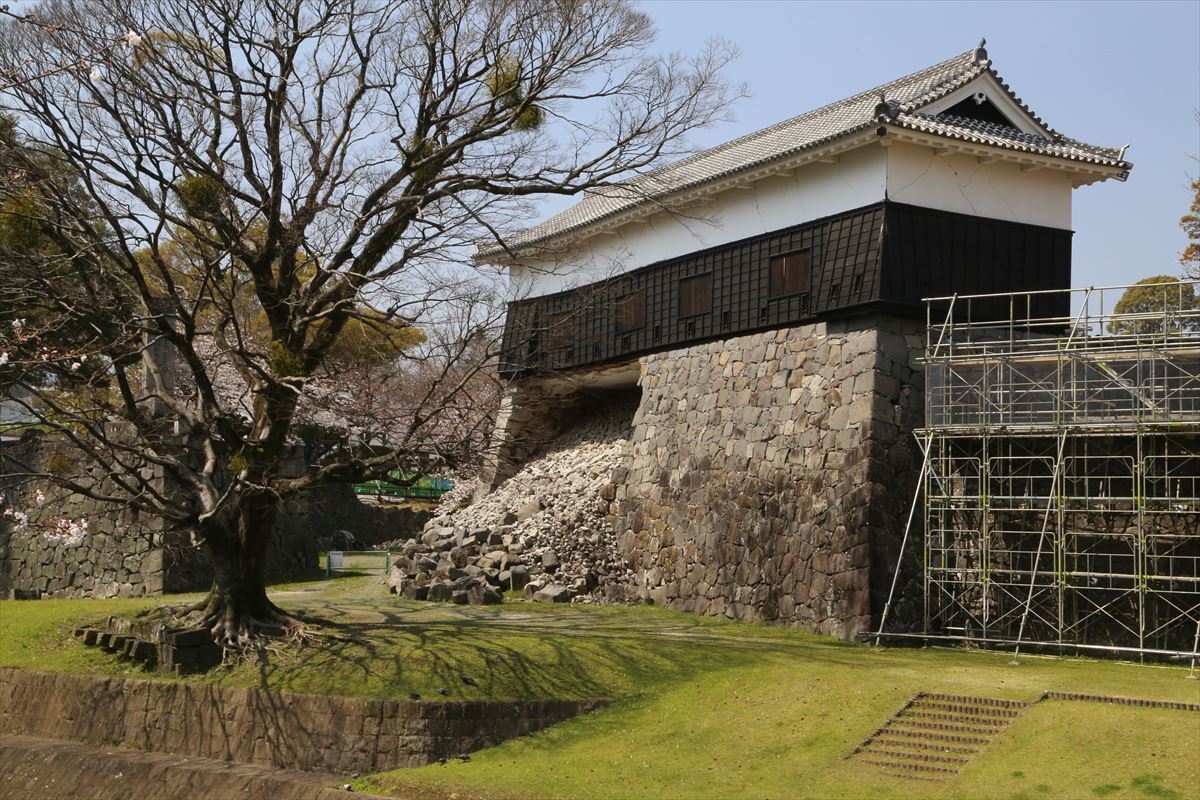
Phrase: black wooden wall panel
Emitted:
{"points": [[579, 327], [885, 253], [930, 253]]}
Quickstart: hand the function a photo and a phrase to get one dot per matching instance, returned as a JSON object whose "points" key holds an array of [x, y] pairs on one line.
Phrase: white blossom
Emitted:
{"points": [[19, 518], [18, 325], [39, 497], [68, 532], [132, 40], [76, 366], [96, 73], [3, 359]]}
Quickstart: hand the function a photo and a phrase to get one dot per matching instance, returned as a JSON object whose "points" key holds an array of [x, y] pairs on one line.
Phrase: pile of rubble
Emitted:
{"points": [[545, 531]]}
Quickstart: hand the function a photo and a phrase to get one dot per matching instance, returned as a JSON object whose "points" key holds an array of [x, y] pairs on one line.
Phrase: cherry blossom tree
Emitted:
{"points": [[228, 190]]}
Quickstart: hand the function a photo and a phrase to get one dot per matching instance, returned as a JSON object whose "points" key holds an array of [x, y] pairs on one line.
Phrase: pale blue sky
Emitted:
{"points": [[1105, 73]]}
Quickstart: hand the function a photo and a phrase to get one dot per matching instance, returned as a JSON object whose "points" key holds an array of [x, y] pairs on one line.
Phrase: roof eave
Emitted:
{"points": [[687, 196], [1085, 171]]}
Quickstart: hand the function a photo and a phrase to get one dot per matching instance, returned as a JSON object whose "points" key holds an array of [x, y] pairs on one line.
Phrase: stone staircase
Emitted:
{"points": [[935, 735]]}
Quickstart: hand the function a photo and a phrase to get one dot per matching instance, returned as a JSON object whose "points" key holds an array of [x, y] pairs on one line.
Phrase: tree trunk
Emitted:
{"points": [[237, 609]]}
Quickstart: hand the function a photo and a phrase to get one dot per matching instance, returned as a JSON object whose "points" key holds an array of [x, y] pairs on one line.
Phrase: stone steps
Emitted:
{"points": [[962, 724], [906, 740], [935, 735], [168, 651], [906, 770]]}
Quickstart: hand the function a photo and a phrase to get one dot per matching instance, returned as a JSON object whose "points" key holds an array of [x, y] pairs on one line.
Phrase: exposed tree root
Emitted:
{"points": [[249, 628], [237, 627], [172, 612]]}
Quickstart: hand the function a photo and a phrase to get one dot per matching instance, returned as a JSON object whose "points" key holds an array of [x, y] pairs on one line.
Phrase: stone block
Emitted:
{"points": [[554, 593]]}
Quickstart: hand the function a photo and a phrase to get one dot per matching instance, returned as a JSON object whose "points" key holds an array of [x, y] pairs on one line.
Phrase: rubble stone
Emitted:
{"points": [[561, 525]]}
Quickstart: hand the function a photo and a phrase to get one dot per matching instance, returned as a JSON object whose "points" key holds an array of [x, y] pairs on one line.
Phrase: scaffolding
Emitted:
{"points": [[1060, 489]]}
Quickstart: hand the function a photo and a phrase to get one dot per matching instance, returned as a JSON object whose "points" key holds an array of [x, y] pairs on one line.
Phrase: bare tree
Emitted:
{"points": [[238, 183]]}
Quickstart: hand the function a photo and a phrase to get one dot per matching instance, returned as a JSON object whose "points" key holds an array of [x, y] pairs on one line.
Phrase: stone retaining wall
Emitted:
{"points": [[49, 769], [772, 473], [130, 555], [295, 731]]}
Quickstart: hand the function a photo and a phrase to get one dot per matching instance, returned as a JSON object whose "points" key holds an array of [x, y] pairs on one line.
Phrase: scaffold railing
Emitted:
{"points": [[1100, 366], [1060, 487]]}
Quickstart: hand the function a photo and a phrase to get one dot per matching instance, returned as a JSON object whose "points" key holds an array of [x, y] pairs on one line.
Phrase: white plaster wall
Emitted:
{"points": [[816, 190], [902, 172], [963, 184]]}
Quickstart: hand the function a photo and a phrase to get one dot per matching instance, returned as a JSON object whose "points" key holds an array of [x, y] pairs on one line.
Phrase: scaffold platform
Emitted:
{"points": [[1058, 504]]}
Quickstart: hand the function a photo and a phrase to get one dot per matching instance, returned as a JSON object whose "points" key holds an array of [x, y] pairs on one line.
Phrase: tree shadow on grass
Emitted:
{"points": [[514, 653]]}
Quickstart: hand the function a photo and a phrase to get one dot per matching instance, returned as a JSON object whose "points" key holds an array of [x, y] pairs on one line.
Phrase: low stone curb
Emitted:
{"points": [[49, 769], [296, 731], [1123, 701]]}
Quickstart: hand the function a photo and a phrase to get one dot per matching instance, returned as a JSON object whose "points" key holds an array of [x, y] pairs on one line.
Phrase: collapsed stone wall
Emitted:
{"points": [[535, 411], [771, 473], [547, 526], [767, 476]]}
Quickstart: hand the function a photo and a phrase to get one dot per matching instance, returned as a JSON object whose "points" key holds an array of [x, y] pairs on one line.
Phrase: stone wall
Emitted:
{"points": [[126, 554], [296, 731], [772, 473], [121, 556]]}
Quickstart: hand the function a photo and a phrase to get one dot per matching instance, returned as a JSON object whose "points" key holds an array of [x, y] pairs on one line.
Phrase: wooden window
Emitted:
{"points": [[631, 311], [695, 295], [791, 273], [533, 345], [560, 328]]}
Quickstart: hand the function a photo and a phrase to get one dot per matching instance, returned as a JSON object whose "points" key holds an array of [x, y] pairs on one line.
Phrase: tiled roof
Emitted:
{"points": [[813, 129], [990, 133]]}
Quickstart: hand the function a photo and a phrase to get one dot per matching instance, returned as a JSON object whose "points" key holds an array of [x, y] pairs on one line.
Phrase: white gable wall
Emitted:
{"points": [[814, 191], [967, 185]]}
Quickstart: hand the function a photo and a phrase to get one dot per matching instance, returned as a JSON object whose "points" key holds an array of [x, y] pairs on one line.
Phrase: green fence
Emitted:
{"points": [[369, 561], [424, 487]]}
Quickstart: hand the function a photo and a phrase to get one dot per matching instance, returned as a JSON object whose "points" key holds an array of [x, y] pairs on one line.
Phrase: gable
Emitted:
{"points": [[978, 107], [987, 100]]}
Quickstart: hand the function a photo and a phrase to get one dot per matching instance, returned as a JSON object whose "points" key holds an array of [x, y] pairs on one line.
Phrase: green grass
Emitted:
{"points": [[706, 708]]}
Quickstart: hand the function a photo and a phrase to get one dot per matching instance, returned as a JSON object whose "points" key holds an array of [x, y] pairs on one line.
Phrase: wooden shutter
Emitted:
{"points": [[560, 328], [695, 295], [631, 311], [791, 273]]}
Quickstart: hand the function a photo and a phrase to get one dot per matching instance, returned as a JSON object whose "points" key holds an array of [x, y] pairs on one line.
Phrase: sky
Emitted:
{"points": [[1106, 73]]}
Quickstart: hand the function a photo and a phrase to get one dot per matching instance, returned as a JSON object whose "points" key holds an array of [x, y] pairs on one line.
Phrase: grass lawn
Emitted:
{"points": [[707, 708]]}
